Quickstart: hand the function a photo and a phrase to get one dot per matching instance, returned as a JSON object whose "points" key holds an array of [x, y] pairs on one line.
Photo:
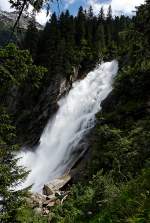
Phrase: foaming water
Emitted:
{"points": [[76, 115]]}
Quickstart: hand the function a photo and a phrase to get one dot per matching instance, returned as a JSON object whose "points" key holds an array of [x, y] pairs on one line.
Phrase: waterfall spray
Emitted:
{"points": [[74, 118]]}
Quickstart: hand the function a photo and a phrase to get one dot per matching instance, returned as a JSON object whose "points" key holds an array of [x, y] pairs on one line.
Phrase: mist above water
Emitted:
{"points": [[75, 116]]}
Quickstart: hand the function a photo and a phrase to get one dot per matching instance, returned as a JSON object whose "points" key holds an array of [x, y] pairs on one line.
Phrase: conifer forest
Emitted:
{"points": [[75, 103]]}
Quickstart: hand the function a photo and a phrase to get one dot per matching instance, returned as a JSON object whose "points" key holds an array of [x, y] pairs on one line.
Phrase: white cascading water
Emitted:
{"points": [[76, 115]]}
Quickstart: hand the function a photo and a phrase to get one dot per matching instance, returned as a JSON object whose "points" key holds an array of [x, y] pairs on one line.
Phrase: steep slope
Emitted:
{"points": [[7, 20]]}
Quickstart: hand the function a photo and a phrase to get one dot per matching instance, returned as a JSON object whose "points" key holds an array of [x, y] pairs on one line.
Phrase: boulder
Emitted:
{"points": [[45, 211], [36, 200], [51, 204], [45, 204], [47, 190], [55, 185], [51, 197]]}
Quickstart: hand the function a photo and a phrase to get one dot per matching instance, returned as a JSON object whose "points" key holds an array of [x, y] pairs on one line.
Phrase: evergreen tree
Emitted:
{"points": [[11, 174], [147, 2], [47, 46], [109, 14], [90, 12], [90, 26], [100, 41], [31, 38], [101, 16], [109, 26], [80, 26]]}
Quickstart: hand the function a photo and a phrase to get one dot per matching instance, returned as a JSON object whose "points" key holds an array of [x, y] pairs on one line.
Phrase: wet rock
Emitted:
{"points": [[55, 185], [50, 204], [47, 190], [63, 88], [36, 200], [45, 203], [45, 211], [51, 197]]}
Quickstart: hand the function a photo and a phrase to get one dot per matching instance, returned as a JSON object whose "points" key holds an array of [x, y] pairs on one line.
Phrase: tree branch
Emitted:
{"points": [[17, 21]]}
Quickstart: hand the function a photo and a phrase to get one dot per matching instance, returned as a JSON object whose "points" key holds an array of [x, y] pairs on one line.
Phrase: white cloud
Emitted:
{"points": [[41, 17], [118, 6], [67, 3], [5, 5], [124, 6]]}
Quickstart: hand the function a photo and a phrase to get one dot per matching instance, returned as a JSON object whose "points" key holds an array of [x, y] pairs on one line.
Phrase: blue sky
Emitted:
{"points": [[73, 5], [118, 6]]}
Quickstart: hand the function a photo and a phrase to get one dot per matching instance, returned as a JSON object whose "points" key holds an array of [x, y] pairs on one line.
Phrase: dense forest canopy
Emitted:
{"points": [[114, 186]]}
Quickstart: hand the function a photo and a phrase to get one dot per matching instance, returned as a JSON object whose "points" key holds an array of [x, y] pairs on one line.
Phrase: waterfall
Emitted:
{"points": [[74, 118]]}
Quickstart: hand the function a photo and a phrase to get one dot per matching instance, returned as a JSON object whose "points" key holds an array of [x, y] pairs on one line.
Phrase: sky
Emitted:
{"points": [[118, 6]]}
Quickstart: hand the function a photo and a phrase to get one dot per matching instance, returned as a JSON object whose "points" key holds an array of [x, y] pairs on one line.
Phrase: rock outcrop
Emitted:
{"points": [[52, 195], [31, 121], [9, 18], [55, 185]]}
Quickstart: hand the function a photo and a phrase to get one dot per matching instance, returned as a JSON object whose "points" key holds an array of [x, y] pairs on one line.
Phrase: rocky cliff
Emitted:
{"points": [[9, 18], [31, 121]]}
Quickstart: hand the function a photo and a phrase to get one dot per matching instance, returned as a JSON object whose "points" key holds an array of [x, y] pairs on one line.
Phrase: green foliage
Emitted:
{"points": [[16, 67], [31, 38], [114, 150], [80, 41], [16, 71], [27, 215], [108, 202], [37, 4], [131, 203], [5, 32], [21, 82], [11, 175], [115, 185]]}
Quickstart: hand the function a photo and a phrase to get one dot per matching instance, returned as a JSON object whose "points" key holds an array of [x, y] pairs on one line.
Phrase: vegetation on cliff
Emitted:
{"points": [[115, 184]]}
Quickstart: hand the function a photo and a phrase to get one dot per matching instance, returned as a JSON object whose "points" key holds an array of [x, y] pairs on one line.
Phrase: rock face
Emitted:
{"points": [[32, 119], [55, 185], [9, 18], [40, 113], [47, 190], [52, 195], [7, 21]]}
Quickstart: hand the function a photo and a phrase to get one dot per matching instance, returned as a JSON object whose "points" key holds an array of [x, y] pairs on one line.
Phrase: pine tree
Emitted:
{"points": [[147, 2], [10, 173], [90, 26], [101, 16], [109, 14], [80, 26], [31, 38], [90, 12], [99, 40], [47, 46], [109, 26]]}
